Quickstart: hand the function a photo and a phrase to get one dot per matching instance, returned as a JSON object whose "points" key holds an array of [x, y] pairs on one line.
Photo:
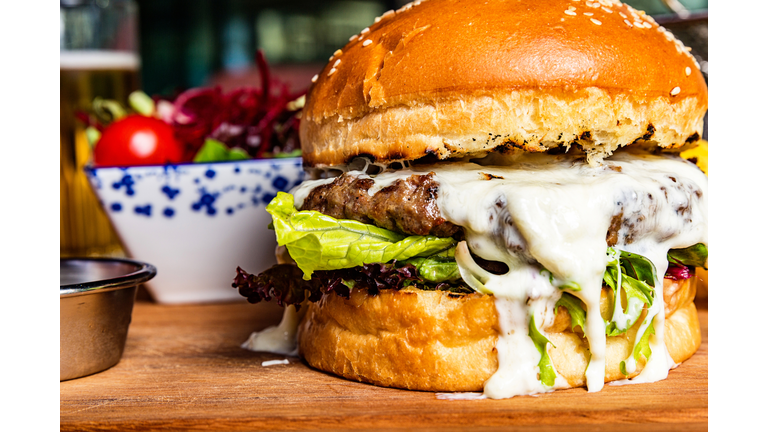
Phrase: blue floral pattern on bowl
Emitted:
{"points": [[196, 222]]}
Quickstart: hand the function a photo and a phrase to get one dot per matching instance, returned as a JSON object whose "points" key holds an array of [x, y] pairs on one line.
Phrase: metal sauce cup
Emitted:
{"points": [[96, 301]]}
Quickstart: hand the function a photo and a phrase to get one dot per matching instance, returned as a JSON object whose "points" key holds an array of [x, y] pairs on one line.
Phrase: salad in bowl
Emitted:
{"points": [[185, 180]]}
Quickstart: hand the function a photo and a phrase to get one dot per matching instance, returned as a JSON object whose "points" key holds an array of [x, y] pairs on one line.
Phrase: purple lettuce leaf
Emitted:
{"points": [[284, 283]]}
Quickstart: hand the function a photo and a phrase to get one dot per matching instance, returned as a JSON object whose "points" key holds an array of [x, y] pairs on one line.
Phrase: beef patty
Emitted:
{"points": [[407, 206]]}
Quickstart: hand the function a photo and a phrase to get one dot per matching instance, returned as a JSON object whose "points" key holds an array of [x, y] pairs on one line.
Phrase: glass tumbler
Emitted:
{"points": [[98, 57]]}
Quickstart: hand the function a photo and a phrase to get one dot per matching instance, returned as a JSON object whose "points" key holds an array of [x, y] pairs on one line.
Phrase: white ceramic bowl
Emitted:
{"points": [[196, 222]]}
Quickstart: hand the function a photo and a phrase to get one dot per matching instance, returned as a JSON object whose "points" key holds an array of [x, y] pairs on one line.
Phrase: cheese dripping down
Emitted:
{"points": [[546, 217], [279, 339]]}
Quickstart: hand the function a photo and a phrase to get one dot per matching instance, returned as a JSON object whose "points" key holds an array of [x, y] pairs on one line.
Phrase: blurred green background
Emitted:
{"points": [[188, 43]]}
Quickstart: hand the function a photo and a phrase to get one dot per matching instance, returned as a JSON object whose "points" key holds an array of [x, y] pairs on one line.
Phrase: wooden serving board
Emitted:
{"points": [[183, 369]]}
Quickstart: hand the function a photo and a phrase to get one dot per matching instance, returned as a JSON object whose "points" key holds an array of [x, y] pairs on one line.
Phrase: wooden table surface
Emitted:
{"points": [[183, 369]]}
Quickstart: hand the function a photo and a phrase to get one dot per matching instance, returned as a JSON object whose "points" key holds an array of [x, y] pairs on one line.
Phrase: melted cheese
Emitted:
{"points": [[279, 339], [546, 217]]}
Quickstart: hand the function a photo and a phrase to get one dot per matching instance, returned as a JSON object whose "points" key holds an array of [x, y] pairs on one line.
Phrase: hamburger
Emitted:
{"points": [[497, 202]]}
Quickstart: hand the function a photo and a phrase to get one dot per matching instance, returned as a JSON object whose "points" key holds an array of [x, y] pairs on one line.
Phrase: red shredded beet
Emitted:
{"points": [[197, 112], [256, 120], [678, 272]]}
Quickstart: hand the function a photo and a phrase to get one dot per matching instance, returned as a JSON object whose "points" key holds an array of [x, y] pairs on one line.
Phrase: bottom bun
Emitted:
{"points": [[439, 341]]}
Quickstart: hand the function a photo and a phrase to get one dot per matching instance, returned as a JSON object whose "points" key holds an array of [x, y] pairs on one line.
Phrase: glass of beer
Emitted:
{"points": [[98, 57]]}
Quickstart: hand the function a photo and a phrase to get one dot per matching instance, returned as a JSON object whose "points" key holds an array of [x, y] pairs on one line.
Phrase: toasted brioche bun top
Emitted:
{"points": [[451, 78]]}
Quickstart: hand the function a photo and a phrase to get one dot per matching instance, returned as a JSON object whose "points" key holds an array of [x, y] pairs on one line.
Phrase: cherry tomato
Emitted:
{"points": [[137, 140]]}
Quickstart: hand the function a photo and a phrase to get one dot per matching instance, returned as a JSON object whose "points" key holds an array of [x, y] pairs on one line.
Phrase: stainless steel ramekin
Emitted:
{"points": [[96, 301]]}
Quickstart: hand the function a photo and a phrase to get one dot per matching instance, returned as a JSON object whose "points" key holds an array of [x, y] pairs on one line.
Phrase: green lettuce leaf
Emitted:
{"points": [[635, 275], [216, 151], [295, 153], [642, 349], [319, 242], [436, 269], [638, 268], [142, 103], [92, 135], [694, 256], [567, 285], [575, 309], [546, 370]]}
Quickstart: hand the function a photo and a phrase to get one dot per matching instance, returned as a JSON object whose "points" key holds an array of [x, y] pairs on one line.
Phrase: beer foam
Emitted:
{"points": [[99, 59]]}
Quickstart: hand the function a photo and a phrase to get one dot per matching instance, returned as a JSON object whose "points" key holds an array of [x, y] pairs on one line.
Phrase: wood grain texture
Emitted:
{"points": [[183, 369]]}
